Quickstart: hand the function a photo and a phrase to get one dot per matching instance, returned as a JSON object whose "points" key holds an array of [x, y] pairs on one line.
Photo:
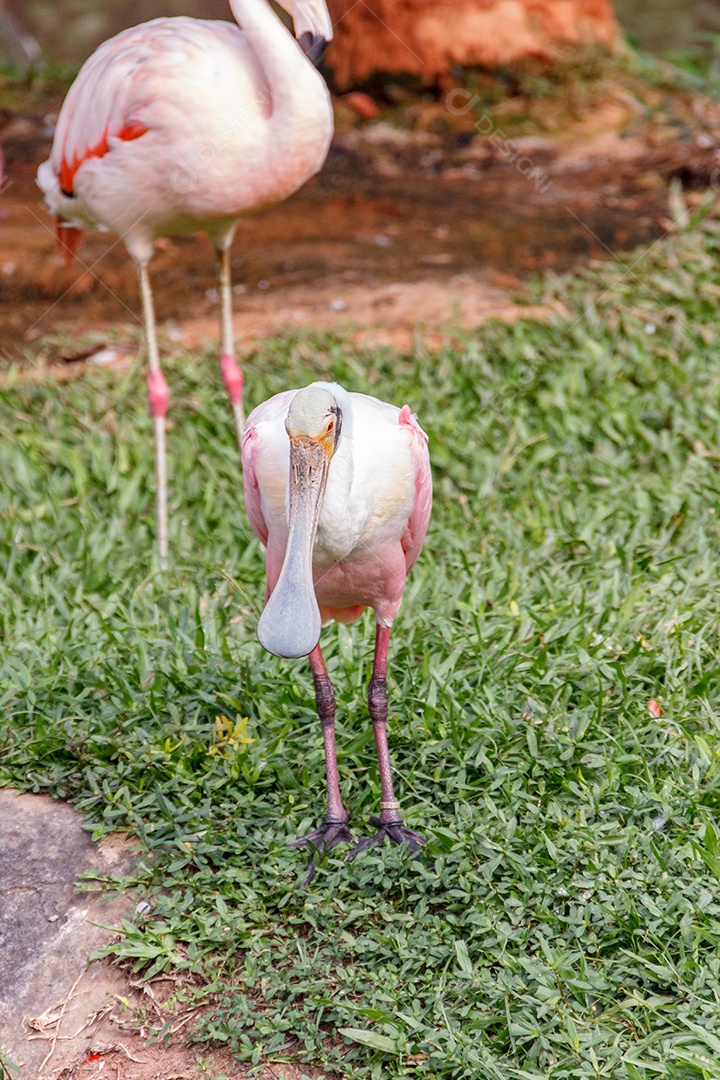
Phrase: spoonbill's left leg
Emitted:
{"points": [[231, 373], [390, 824], [335, 829]]}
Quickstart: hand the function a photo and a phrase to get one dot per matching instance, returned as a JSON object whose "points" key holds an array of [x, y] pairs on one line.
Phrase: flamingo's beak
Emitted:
{"points": [[313, 27], [313, 45], [290, 623]]}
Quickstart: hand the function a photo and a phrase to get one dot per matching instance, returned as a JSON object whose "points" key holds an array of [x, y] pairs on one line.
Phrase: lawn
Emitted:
{"points": [[554, 696]]}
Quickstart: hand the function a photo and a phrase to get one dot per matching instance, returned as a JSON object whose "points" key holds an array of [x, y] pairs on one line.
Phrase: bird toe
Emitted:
{"points": [[326, 837], [321, 840], [394, 831]]}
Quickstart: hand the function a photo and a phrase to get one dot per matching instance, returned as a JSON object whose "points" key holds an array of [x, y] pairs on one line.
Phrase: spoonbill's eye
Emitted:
{"points": [[330, 426]]}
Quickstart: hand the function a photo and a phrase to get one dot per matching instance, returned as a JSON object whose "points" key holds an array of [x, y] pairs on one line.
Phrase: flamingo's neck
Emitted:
{"points": [[299, 112]]}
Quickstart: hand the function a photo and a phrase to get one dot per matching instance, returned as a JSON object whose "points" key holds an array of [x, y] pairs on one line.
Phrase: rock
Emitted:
{"points": [[361, 104], [428, 38], [47, 930]]}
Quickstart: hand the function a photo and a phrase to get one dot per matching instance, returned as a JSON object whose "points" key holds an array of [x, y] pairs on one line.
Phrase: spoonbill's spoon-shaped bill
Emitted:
{"points": [[290, 623]]}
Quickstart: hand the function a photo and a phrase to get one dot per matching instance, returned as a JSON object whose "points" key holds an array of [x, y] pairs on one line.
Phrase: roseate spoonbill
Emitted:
{"points": [[338, 488], [182, 125]]}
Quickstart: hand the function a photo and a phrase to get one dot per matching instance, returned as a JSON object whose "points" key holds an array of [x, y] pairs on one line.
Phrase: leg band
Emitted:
{"points": [[158, 393], [232, 377]]}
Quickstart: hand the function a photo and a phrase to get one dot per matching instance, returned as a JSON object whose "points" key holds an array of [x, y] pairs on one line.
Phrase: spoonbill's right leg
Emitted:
{"points": [[231, 373], [159, 397], [335, 829], [390, 823]]}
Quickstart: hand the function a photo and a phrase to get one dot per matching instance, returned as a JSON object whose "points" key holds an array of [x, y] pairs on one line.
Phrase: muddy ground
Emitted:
{"points": [[436, 222]]}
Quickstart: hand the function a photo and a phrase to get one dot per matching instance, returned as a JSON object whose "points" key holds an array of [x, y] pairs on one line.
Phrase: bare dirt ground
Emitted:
{"points": [[405, 231]]}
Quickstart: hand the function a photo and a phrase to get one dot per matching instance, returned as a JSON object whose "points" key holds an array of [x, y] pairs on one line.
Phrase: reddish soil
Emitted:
{"points": [[429, 38], [402, 229]]}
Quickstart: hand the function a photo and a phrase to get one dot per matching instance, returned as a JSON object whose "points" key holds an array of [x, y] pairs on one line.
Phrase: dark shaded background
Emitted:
{"points": [[70, 29]]}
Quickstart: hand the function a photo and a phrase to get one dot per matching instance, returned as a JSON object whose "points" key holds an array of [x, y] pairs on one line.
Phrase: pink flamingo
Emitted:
{"points": [[182, 125], [343, 525]]}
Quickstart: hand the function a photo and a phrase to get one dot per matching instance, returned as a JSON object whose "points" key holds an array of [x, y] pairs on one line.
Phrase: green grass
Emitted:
{"points": [[565, 921], [22, 89]]}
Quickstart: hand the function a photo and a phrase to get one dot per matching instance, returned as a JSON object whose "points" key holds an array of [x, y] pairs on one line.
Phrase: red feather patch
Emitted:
{"points": [[132, 130]]}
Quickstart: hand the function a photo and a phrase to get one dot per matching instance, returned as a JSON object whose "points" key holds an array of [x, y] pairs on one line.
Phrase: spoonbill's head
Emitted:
{"points": [[313, 26], [290, 624], [314, 419]]}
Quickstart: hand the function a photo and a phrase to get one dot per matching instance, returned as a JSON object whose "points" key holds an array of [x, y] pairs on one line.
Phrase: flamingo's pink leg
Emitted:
{"points": [[158, 397], [231, 373]]}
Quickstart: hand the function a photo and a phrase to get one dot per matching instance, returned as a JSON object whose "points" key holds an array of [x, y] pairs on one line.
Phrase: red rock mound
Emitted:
{"points": [[428, 37]]}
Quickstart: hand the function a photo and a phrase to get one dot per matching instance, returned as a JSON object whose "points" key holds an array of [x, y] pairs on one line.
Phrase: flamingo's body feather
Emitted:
{"points": [[180, 125]]}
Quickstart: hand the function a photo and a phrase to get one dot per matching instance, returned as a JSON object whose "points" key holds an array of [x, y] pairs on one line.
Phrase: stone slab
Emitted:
{"points": [[47, 930]]}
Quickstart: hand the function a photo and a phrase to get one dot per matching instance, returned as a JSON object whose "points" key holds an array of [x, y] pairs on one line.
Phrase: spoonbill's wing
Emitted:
{"points": [[251, 486], [419, 519]]}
